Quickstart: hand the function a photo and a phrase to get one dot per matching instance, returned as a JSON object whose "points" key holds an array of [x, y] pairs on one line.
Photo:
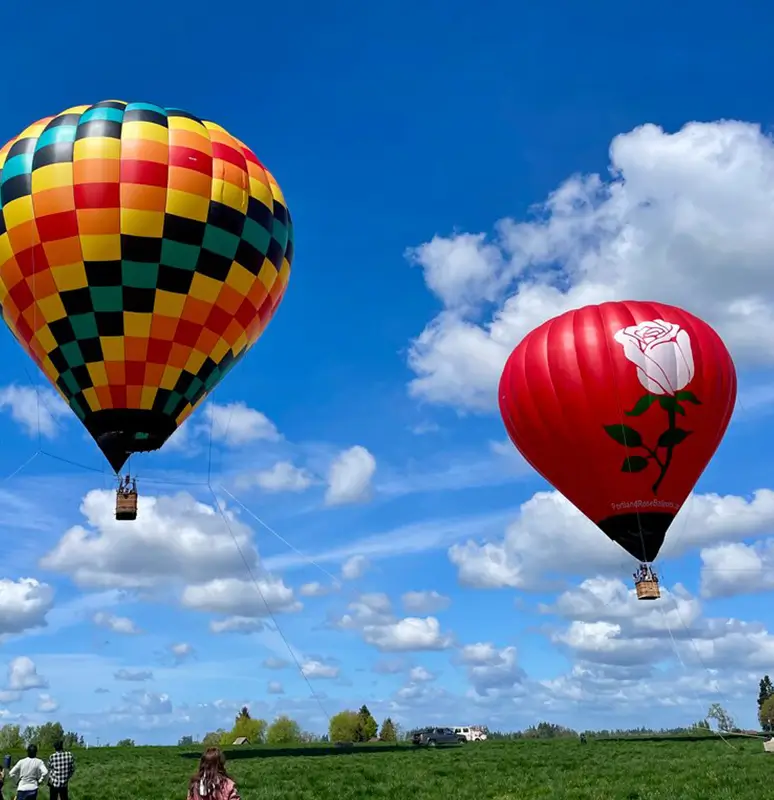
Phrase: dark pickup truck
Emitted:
{"points": [[431, 737]]}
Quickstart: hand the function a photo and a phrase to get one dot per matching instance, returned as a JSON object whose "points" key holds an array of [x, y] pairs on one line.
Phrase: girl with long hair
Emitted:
{"points": [[211, 781]]}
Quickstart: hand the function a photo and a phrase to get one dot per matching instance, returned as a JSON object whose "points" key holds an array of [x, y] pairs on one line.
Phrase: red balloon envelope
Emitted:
{"points": [[621, 406]]}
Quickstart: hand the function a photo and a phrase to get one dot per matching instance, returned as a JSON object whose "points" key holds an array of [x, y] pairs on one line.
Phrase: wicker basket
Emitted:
{"points": [[126, 506], [647, 590]]}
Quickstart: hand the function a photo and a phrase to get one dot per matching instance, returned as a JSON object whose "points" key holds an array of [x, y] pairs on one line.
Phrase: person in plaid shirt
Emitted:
{"points": [[61, 766]]}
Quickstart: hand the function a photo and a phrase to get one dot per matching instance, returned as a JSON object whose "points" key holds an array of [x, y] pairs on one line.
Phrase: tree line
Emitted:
{"points": [[14, 737]]}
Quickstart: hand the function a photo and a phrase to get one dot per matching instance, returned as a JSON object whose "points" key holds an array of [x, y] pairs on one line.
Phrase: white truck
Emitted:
{"points": [[471, 733]]}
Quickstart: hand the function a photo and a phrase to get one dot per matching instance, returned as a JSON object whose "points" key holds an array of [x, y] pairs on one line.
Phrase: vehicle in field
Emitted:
{"points": [[471, 733], [430, 737]]}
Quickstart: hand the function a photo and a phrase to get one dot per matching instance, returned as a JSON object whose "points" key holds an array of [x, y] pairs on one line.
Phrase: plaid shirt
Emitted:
{"points": [[61, 766]]}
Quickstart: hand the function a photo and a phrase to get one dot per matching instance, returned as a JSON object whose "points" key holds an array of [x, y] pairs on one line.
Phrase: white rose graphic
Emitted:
{"points": [[662, 353]]}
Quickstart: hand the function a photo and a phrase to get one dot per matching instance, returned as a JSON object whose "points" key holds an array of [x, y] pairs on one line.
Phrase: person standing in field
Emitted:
{"points": [[61, 766], [211, 781], [30, 772]]}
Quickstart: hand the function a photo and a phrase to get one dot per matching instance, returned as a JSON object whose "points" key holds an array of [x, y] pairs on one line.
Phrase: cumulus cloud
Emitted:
{"points": [[735, 568], [371, 615], [46, 704], [34, 409], [313, 589], [349, 477], [234, 596], [23, 604], [354, 568], [317, 670], [114, 623], [688, 212], [272, 662], [182, 651], [284, 477], [236, 424], [275, 687], [243, 625], [23, 675], [551, 536]]}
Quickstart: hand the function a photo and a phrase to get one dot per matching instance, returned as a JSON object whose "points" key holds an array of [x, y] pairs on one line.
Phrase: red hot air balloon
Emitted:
{"points": [[621, 406]]}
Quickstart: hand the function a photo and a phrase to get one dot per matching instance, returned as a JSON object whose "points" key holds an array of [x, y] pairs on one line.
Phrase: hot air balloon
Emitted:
{"points": [[143, 251], [621, 406]]}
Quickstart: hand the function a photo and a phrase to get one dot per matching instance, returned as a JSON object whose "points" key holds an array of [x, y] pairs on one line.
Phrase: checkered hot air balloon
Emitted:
{"points": [[142, 253]]}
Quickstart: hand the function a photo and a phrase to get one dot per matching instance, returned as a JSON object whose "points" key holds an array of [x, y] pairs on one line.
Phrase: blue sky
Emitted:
{"points": [[440, 166]]}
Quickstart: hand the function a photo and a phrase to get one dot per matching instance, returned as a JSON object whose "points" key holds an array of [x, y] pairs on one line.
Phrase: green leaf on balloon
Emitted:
{"points": [[669, 403], [672, 437], [634, 464], [624, 435], [688, 397], [642, 405]]}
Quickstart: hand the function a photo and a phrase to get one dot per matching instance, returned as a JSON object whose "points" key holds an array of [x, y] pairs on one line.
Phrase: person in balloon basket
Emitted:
{"points": [[30, 772], [61, 766], [211, 781]]}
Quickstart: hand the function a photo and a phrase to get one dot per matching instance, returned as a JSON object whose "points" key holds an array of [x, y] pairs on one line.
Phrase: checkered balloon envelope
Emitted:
{"points": [[143, 251]]}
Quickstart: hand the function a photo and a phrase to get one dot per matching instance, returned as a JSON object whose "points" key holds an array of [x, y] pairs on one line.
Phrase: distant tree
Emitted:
{"points": [[125, 743], [766, 714], [72, 740], [185, 741], [254, 730], [213, 738], [11, 738], [388, 732], [283, 731], [724, 720], [344, 727], [765, 691], [367, 726]]}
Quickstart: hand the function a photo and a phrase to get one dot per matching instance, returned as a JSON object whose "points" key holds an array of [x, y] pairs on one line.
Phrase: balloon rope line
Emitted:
{"points": [[211, 408], [701, 661], [72, 463], [695, 694], [336, 581], [268, 607], [21, 467]]}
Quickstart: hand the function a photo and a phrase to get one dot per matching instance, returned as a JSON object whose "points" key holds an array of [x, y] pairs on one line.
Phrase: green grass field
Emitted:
{"points": [[528, 770]]}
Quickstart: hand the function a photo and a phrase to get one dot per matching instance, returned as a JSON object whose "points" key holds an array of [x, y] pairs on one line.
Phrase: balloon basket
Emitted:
{"points": [[126, 506], [647, 590]]}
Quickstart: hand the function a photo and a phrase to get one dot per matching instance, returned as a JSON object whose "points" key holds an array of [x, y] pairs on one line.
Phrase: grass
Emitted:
{"points": [[656, 769]]}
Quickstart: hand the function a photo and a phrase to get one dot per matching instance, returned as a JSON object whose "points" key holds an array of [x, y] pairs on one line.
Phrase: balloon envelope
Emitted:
{"points": [[142, 253], [621, 406]]}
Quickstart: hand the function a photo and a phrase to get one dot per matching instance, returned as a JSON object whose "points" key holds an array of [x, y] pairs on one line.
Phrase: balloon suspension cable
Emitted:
{"points": [[270, 613], [308, 559], [713, 681]]}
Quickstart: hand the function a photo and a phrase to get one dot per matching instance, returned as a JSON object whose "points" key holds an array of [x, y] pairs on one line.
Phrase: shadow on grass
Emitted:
{"points": [[320, 750]]}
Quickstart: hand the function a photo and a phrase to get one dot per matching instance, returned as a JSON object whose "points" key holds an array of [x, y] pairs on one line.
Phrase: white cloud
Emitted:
{"points": [[551, 536], [688, 212], [137, 675], [354, 567], [284, 477], [242, 598], [371, 615], [236, 424], [243, 625], [426, 602], [23, 604], [421, 675], [349, 477], [34, 409], [316, 670], [175, 538], [313, 589], [23, 675], [408, 634], [181, 651], [114, 623], [275, 687], [47, 704], [735, 568], [492, 671]]}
